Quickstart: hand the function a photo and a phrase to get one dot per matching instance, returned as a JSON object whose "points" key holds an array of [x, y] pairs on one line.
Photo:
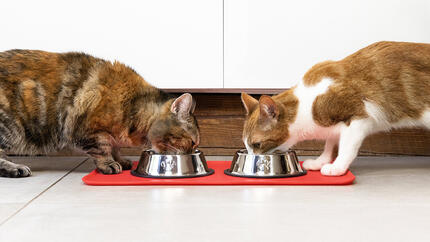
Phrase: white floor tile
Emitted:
{"points": [[8, 209], [390, 201], [45, 170]]}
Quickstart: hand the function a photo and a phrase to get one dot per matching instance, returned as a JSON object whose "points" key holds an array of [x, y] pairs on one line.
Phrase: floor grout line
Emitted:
{"points": [[41, 193]]}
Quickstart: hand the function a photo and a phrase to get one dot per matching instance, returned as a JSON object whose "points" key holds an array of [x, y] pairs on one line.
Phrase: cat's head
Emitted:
{"points": [[175, 129], [267, 122]]}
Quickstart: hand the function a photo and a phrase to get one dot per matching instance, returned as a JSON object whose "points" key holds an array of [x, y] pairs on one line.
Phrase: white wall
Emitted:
{"points": [[175, 44], [271, 43], [179, 43]]}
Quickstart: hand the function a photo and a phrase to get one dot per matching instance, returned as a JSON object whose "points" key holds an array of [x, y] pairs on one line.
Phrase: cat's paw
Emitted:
{"points": [[126, 164], [109, 167], [313, 165], [333, 170], [15, 170]]}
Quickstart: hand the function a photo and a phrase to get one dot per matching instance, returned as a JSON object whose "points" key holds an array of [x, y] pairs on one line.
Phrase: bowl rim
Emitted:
{"points": [[243, 152], [209, 172], [151, 152], [230, 173]]}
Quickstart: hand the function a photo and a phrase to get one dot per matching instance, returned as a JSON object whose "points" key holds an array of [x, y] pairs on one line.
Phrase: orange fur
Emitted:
{"points": [[393, 75]]}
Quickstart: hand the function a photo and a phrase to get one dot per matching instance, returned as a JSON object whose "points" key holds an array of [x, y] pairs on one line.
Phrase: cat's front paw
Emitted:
{"points": [[125, 163], [15, 170], [313, 165], [333, 170], [109, 167]]}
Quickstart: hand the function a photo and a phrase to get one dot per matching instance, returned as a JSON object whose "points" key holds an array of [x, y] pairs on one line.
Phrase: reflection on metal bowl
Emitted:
{"points": [[153, 165], [265, 165]]}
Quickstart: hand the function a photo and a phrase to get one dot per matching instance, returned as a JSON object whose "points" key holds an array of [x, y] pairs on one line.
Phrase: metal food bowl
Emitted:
{"points": [[265, 165], [153, 165]]}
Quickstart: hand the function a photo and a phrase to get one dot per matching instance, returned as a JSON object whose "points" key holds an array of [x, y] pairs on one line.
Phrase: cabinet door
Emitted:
{"points": [[173, 44], [271, 44]]}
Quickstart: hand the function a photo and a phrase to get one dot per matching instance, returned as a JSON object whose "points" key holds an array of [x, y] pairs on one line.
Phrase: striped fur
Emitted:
{"points": [[49, 101]]}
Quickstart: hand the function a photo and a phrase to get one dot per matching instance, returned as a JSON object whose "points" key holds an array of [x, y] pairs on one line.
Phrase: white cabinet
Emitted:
{"points": [[188, 44], [173, 44], [271, 44]]}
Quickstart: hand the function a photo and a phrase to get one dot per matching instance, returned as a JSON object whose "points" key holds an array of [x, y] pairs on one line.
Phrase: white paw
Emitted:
{"points": [[332, 170], [312, 165]]}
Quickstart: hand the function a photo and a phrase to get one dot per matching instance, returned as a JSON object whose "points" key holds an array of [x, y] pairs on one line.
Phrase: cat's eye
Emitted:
{"points": [[257, 145]]}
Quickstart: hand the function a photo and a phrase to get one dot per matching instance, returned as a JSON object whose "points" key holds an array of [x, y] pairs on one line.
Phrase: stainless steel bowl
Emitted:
{"points": [[265, 165], [155, 165]]}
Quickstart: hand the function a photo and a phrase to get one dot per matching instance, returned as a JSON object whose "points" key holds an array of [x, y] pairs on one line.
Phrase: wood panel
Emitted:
{"points": [[227, 90], [218, 105], [221, 132]]}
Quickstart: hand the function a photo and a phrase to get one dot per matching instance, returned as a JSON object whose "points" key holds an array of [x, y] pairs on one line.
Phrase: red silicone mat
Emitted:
{"points": [[219, 178]]}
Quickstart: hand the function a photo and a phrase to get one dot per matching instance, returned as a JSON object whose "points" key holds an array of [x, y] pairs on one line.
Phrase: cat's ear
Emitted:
{"points": [[268, 108], [249, 103], [193, 105], [183, 106]]}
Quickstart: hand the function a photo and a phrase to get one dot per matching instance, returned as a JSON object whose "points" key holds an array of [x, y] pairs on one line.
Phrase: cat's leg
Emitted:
{"points": [[351, 138], [328, 155], [125, 163], [100, 149], [10, 169]]}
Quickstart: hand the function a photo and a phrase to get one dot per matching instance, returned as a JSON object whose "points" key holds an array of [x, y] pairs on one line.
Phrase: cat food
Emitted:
{"points": [[265, 165], [155, 165]]}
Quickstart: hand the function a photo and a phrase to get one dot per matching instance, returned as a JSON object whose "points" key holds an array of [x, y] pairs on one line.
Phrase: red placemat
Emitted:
{"points": [[219, 178]]}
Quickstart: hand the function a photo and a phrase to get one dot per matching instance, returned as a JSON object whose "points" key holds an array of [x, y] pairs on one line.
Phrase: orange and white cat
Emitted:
{"points": [[380, 87]]}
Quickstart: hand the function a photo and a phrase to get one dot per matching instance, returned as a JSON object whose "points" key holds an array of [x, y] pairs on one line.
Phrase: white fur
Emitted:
{"points": [[381, 122], [304, 126], [350, 140], [425, 119], [324, 158], [248, 147], [377, 114], [348, 137], [352, 136]]}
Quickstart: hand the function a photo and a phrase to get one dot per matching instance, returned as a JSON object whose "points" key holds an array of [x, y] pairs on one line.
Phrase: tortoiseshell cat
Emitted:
{"points": [[52, 100], [383, 86]]}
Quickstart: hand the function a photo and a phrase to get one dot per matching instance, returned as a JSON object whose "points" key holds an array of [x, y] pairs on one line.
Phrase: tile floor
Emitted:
{"points": [[390, 201]]}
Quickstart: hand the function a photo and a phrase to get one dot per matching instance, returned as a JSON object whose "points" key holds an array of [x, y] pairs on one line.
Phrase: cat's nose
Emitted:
{"points": [[195, 141], [194, 145]]}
